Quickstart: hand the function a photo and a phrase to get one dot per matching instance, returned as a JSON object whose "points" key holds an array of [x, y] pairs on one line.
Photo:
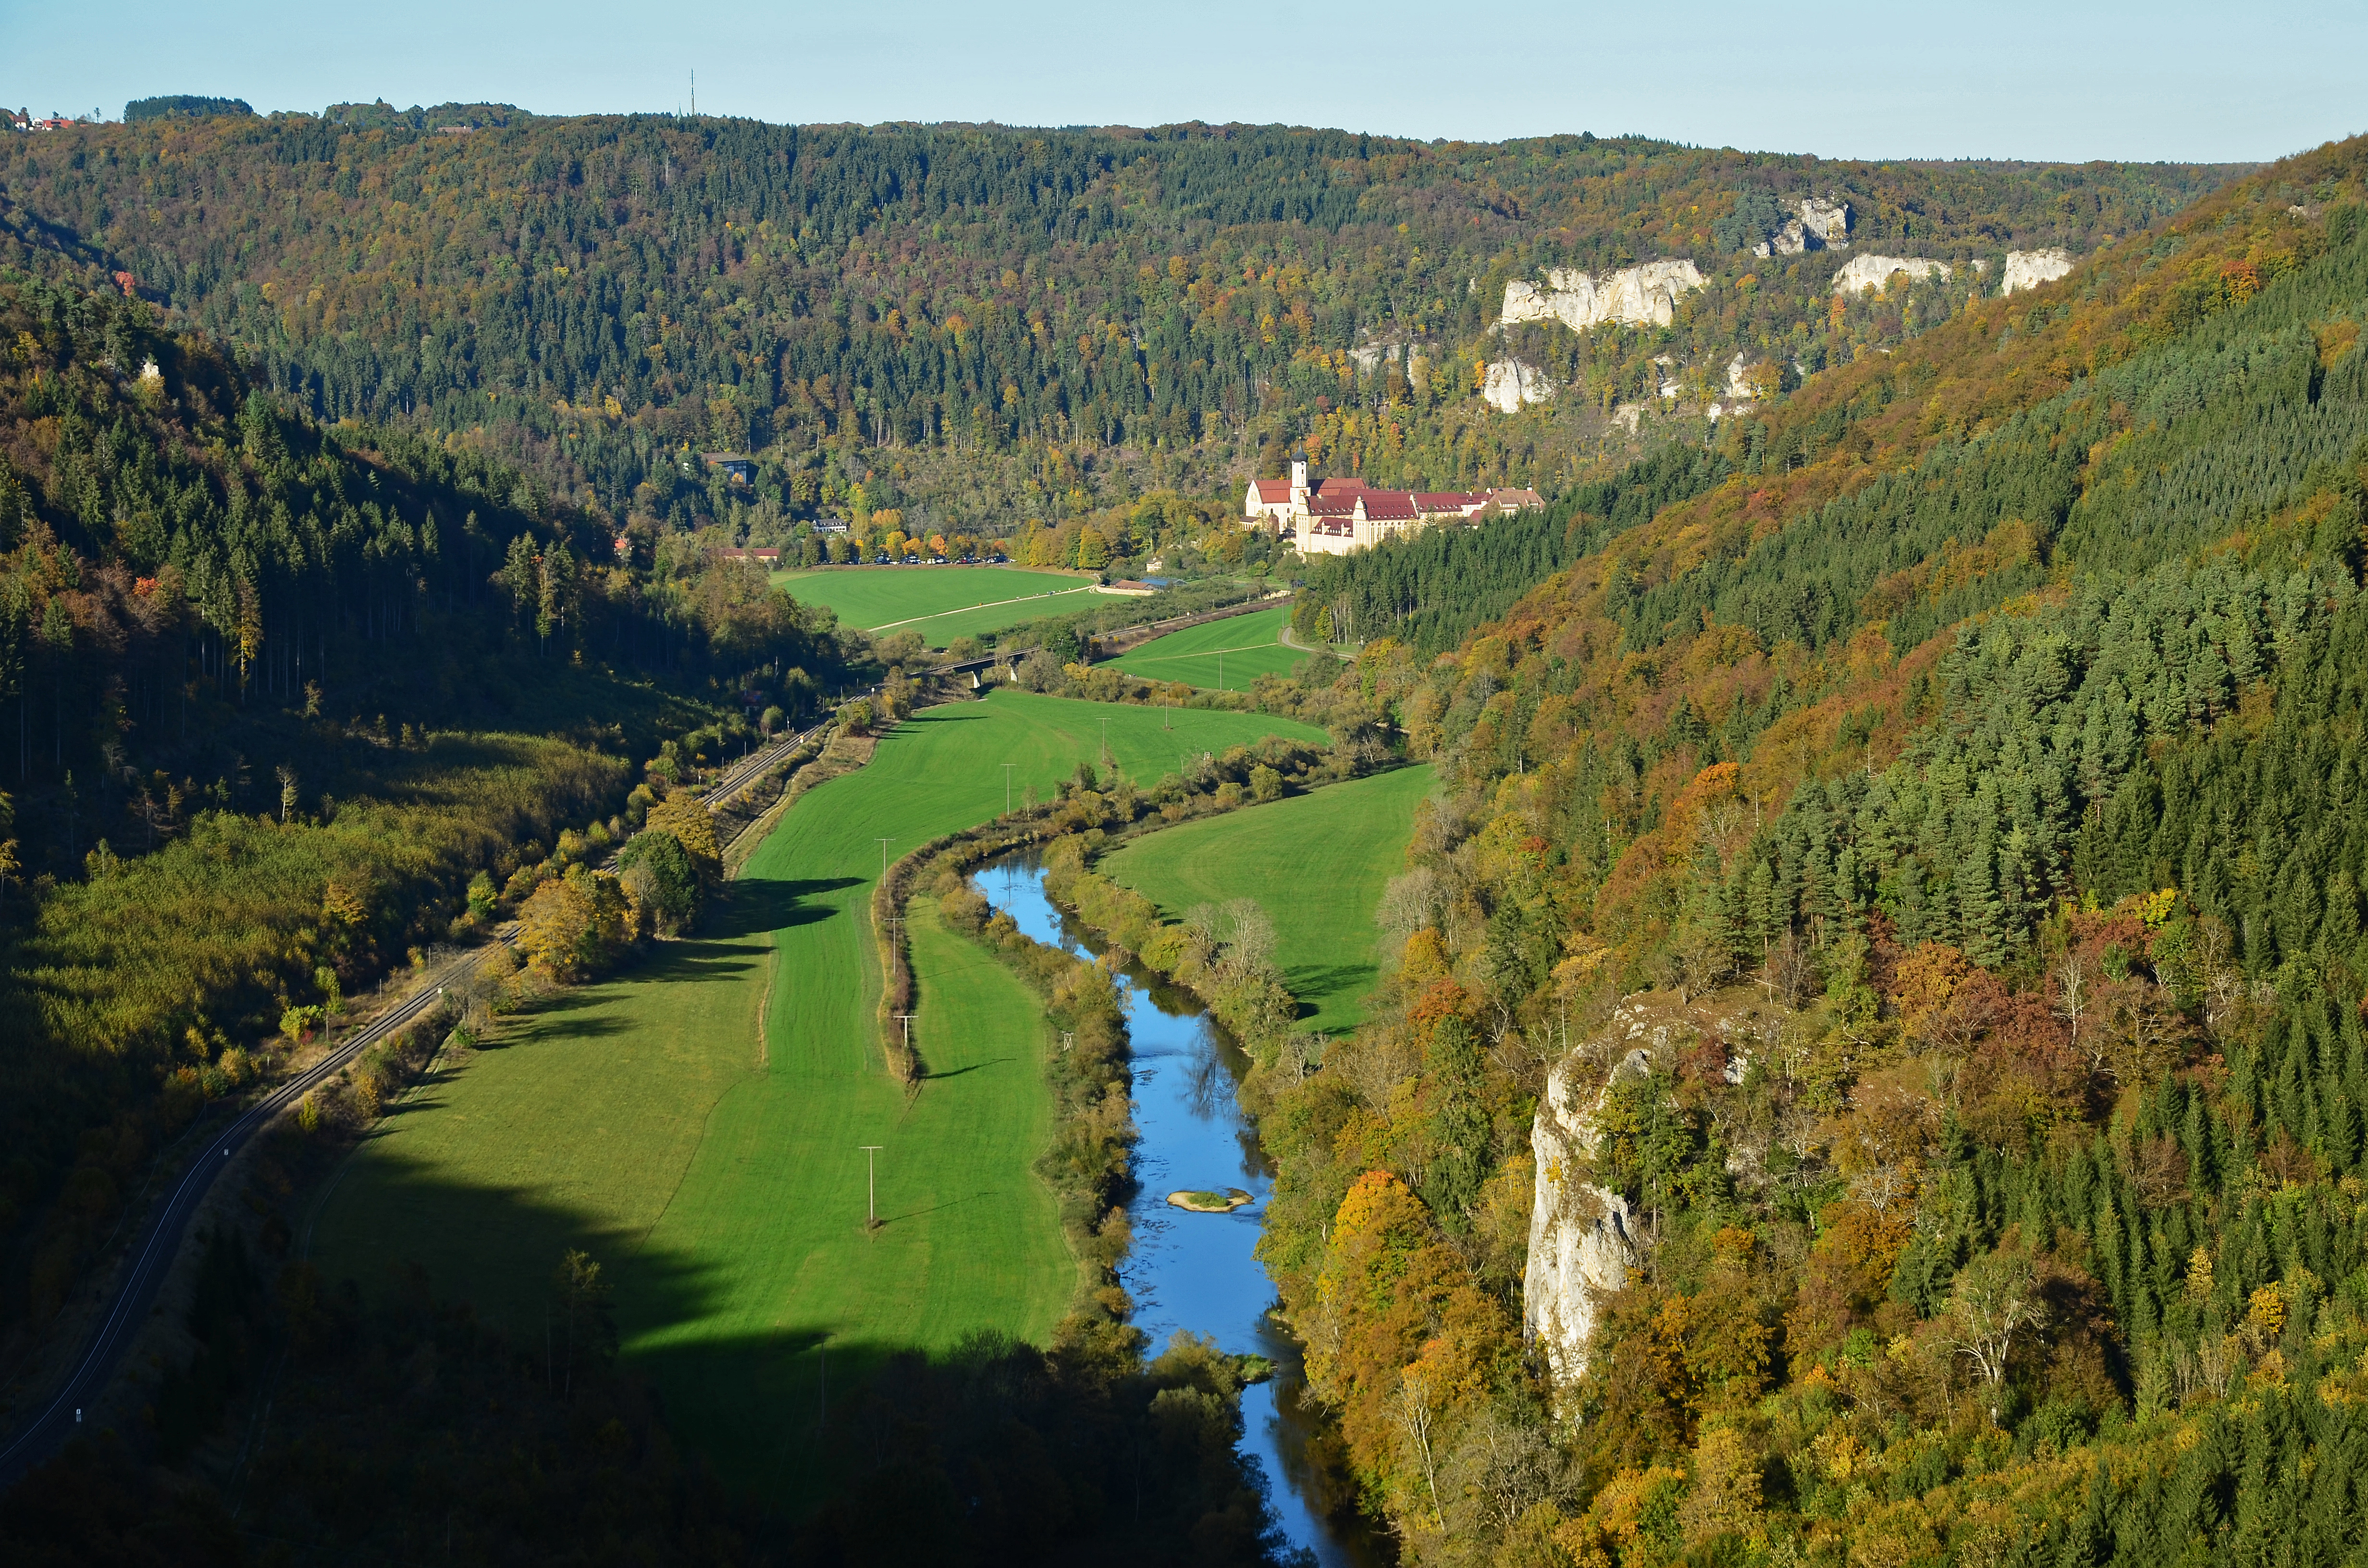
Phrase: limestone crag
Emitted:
{"points": [[1633, 295], [2029, 269], [1821, 225], [1509, 385], [1584, 1238], [1862, 272]]}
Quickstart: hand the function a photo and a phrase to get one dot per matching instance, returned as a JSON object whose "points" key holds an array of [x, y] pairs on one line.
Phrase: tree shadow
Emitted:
{"points": [[958, 1071], [758, 904], [1308, 981]]}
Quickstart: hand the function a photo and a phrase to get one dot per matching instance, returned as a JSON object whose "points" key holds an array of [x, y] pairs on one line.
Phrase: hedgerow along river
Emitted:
{"points": [[1195, 1271]]}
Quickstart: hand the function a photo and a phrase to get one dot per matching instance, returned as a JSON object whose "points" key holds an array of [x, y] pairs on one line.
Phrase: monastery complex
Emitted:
{"points": [[1345, 514]]}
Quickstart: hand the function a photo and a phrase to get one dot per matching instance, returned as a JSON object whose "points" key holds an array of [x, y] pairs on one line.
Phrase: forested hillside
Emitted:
{"points": [[1965, 783], [990, 324], [272, 695]]}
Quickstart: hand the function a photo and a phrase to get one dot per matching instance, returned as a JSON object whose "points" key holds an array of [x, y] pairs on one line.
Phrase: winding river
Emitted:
{"points": [[1195, 1271]]}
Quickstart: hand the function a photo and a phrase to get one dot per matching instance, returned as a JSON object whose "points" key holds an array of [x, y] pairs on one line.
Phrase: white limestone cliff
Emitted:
{"points": [[1582, 1237], [1509, 385], [1642, 294], [1821, 225], [2029, 269], [1864, 272]]}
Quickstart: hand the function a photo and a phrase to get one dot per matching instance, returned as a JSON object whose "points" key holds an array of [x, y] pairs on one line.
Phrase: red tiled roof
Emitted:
{"points": [[1389, 505], [1448, 500], [1517, 498], [1340, 484], [1273, 491], [1332, 505]]}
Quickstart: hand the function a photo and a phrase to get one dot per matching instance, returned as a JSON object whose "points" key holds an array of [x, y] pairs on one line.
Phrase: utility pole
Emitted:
{"points": [[907, 1018], [1006, 788], [871, 1187], [1220, 670], [1106, 743], [884, 842]]}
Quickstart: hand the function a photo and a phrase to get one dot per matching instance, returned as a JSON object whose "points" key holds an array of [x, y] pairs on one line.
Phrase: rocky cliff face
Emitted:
{"points": [[1862, 272], [1821, 225], [1644, 294], [1510, 385], [1583, 1238], [2029, 269]]}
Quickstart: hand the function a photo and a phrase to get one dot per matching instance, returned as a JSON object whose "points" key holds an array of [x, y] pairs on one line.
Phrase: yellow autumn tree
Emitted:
{"points": [[574, 927], [694, 828]]}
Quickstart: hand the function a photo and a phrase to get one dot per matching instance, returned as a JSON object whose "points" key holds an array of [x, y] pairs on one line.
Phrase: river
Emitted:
{"points": [[1197, 1271]]}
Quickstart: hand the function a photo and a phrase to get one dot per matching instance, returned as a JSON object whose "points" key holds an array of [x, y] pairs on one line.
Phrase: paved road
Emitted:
{"points": [[161, 1237]]}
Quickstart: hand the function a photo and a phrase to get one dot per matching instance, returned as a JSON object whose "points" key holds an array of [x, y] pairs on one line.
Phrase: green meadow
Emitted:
{"points": [[1317, 864], [1226, 655], [713, 1166], [941, 602]]}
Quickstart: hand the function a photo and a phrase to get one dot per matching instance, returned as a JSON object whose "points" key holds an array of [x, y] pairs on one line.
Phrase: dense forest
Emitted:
{"points": [[274, 693], [984, 325], [1957, 793]]}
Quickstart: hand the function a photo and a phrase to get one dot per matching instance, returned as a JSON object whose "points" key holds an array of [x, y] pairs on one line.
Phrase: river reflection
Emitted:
{"points": [[1199, 1271]]}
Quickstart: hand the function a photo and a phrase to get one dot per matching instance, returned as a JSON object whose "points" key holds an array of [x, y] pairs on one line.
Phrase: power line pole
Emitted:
{"points": [[907, 1018], [1006, 788], [1106, 743], [871, 1187], [884, 842]]}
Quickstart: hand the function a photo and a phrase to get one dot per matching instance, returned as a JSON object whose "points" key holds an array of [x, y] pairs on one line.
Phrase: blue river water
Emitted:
{"points": [[1197, 1271]]}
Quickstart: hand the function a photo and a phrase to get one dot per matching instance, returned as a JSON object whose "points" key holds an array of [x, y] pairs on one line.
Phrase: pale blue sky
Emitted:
{"points": [[2064, 80]]}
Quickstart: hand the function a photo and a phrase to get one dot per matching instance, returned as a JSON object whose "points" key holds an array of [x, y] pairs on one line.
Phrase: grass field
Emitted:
{"points": [[1316, 862], [941, 602], [1228, 654], [718, 1177]]}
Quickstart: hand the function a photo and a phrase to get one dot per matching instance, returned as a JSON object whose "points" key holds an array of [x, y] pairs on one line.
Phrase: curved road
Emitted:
{"points": [[159, 1240]]}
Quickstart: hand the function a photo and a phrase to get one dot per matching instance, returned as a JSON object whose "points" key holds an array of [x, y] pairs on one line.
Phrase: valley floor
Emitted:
{"points": [[1317, 864], [722, 1184]]}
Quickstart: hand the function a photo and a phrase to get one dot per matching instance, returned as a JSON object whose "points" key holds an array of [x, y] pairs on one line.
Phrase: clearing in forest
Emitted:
{"points": [[941, 602], [725, 1199], [1218, 654], [1316, 863]]}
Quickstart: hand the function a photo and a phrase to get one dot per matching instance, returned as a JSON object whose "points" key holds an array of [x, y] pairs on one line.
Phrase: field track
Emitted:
{"points": [[939, 602], [1222, 654]]}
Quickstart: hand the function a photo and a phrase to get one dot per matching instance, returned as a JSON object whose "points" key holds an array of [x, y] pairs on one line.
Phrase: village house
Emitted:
{"points": [[1342, 513]]}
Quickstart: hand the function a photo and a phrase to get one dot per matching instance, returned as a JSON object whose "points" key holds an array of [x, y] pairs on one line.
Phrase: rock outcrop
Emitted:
{"points": [[1864, 272], [1646, 294], [1821, 225], [1582, 1237], [1509, 385], [2029, 269]]}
